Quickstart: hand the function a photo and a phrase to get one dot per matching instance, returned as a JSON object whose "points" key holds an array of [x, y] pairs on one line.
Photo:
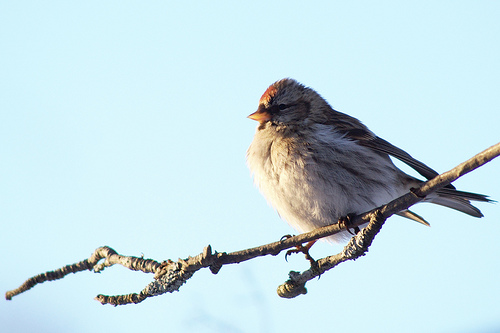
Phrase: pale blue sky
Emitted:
{"points": [[124, 124]]}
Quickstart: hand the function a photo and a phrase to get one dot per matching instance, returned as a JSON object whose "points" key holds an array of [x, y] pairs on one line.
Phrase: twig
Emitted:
{"points": [[133, 263], [169, 275]]}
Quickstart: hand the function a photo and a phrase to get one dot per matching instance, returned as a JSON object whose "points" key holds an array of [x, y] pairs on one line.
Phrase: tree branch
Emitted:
{"points": [[169, 275]]}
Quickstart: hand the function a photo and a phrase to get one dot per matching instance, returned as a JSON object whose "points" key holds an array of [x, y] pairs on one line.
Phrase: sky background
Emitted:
{"points": [[123, 123]]}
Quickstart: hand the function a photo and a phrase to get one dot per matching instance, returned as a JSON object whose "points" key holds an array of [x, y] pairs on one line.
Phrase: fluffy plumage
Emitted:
{"points": [[315, 165]]}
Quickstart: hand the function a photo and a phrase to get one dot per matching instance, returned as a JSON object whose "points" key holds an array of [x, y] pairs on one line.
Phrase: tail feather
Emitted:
{"points": [[465, 195], [459, 200], [413, 216]]}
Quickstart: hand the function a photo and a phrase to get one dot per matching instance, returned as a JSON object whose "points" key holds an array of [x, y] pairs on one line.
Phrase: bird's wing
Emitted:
{"points": [[383, 146], [354, 129]]}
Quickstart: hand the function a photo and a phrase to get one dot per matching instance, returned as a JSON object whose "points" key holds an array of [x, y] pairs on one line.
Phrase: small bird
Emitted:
{"points": [[316, 165]]}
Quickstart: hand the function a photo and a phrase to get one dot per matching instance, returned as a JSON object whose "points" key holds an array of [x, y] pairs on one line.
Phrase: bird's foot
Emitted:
{"points": [[305, 250], [345, 221], [285, 237]]}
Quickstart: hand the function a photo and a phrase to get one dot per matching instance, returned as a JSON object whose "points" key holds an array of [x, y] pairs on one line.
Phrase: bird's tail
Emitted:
{"points": [[458, 200]]}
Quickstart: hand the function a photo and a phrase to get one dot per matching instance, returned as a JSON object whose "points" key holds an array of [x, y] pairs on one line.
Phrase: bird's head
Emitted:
{"points": [[289, 102]]}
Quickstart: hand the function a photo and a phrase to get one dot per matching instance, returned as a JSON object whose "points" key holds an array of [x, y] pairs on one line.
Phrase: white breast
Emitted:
{"points": [[313, 182]]}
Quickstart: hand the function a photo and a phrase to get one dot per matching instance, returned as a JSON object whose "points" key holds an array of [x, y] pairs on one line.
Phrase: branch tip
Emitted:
{"points": [[291, 289]]}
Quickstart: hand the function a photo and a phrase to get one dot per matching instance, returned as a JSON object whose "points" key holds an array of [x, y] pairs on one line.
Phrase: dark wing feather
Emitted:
{"points": [[383, 146], [353, 129]]}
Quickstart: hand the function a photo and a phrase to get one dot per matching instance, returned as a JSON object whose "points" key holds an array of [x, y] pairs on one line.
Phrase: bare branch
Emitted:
{"points": [[133, 263], [169, 275]]}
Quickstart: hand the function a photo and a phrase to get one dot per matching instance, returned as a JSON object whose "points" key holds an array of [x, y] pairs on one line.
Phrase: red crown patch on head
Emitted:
{"points": [[268, 95]]}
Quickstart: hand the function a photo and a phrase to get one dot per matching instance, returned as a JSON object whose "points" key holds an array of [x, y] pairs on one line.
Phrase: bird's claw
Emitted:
{"points": [[289, 252], [305, 250], [345, 221]]}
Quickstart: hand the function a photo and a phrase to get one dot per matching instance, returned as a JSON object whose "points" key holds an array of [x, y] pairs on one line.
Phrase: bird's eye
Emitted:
{"points": [[282, 106]]}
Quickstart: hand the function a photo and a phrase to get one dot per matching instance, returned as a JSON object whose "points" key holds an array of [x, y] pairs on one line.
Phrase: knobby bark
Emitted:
{"points": [[170, 275]]}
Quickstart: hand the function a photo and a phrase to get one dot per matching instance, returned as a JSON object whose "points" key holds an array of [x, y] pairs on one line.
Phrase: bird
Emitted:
{"points": [[316, 165]]}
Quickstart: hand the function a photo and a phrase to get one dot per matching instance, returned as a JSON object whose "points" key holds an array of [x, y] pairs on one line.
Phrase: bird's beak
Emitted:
{"points": [[260, 116]]}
